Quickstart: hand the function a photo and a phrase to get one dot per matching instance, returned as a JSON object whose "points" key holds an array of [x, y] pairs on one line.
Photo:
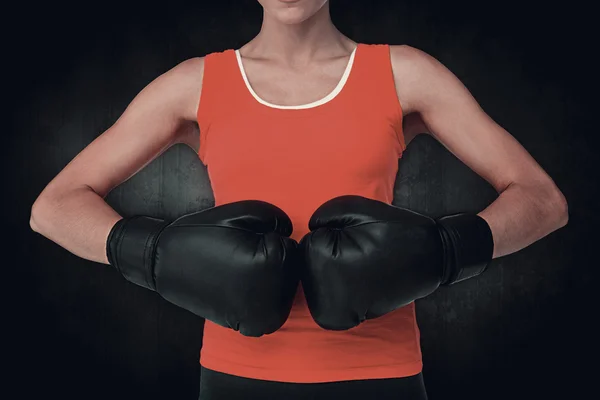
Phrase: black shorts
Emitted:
{"points": [[219, 386]]}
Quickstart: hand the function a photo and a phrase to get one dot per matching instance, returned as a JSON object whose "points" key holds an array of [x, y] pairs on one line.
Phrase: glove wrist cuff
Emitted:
{"points": [[130, 248], [468, 245]]}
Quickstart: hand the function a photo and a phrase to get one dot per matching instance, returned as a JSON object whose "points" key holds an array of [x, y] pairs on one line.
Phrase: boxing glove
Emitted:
{"points": [[364, 258], [233, 264]]}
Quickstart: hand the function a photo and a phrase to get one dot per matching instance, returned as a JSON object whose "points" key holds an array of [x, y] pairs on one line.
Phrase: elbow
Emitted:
{"points": [[559, 208], [32, 224], [37, 213], [34, 215]]}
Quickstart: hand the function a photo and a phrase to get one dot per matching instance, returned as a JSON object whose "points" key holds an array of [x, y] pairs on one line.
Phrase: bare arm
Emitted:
{"points": [[71, 210], [529, 206]]}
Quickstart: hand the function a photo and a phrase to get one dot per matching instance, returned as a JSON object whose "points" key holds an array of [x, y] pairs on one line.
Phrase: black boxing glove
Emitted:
{"points": [[364, 258], [232, 264]]}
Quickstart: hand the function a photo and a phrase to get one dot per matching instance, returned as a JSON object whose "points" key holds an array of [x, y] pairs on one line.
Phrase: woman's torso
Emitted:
{"points": [[296, 158]]}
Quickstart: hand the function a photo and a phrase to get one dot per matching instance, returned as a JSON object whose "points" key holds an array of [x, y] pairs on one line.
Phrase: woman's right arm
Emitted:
{"points": [[71, 210]]}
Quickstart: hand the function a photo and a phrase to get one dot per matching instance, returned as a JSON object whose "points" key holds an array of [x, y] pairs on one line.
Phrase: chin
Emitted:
{"points": [[292, 12], [291, 15]]}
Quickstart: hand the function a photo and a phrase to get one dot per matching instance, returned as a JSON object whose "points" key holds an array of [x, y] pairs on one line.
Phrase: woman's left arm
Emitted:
{"points": [[529, 205]]}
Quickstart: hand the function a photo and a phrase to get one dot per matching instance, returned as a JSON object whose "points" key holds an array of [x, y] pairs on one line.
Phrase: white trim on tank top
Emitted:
{"points": [[316, 103]]}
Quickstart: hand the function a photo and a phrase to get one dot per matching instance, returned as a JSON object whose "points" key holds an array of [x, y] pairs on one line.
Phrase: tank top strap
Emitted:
{"points": [[222, 90], [372, 81]]}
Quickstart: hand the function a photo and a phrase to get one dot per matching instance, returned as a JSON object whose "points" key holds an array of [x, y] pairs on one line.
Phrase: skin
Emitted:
{"points": [[298, 57]]}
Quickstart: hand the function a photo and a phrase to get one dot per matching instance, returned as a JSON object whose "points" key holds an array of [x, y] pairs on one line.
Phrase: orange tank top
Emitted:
{"points": [[297, 158]]}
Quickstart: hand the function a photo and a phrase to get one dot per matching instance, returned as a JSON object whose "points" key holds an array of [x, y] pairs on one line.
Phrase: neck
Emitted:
{"points": [[298, 43]]}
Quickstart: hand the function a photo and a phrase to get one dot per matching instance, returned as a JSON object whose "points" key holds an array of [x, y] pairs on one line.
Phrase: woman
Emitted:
{"points": [[297, 116]]}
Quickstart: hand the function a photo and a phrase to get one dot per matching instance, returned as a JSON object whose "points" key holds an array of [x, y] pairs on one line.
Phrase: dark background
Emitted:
{"points": [[78, 330]]}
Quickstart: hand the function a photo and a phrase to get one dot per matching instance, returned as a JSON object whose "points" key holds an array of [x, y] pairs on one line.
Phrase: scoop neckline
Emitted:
{"points": [[314, 104]]}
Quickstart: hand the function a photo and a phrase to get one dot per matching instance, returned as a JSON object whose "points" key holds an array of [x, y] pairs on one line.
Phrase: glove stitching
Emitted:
{"points": [[113, 237], [284, 248], [120, 236], [153, 253], [220, 226], [362, 224], [147, 261]]}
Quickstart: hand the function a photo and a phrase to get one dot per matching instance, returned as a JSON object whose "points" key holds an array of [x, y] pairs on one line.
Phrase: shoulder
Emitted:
{"points": [[182, 85], [180, 80], [187, 71], [191, 64], [405, 58], [400, 52], [419, 76]]}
